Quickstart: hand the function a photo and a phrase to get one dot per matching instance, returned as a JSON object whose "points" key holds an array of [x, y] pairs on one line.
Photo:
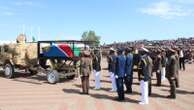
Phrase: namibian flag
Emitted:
{"points": [[62, 50]]}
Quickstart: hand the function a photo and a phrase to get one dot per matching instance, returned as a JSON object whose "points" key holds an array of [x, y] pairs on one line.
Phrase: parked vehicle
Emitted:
{"points": [[56, 59]]}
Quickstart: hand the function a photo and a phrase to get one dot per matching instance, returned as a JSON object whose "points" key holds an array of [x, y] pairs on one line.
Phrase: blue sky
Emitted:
{"points": [[113, 20]]}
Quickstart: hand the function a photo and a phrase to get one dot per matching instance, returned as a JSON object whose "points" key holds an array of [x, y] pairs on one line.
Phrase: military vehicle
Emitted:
{"points": [[56, 59]]}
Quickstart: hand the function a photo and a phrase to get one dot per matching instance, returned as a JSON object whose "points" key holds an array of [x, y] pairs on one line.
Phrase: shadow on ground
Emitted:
{"points": [[181, 91], [41, 78], [98, 96]]}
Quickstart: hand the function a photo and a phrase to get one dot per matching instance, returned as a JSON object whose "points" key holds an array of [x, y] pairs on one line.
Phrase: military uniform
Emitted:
{"points": [[181, 59], [85, 71], [136, 60], [111, 69], [97, 68], [177, 71], [171, 72], [145, 67], [158, 65], [120, 74], [163, 70]]}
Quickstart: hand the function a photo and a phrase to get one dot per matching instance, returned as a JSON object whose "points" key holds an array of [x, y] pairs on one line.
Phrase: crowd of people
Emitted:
{"points": [[123, 62]]}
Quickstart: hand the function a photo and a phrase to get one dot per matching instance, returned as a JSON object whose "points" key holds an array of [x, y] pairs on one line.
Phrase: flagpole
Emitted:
{"points": [[39, 33], [31, 33], [23, 29]]}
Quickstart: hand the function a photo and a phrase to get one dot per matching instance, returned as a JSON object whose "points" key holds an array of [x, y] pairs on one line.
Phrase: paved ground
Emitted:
{"points": [[34, 93]]}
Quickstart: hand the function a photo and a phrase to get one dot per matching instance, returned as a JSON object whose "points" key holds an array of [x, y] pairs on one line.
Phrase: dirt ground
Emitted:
{"points": [[27, 92]]}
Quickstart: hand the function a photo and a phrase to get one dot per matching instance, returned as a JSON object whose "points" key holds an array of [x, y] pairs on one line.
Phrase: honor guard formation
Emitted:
{"points": [[165, 63]]}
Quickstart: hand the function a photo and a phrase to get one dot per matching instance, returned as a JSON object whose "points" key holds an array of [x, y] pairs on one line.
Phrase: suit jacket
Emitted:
{"points": [[120, 66], [129, 64]]}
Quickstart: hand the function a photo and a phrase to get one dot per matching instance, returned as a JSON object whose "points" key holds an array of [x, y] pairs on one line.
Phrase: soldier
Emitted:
{"points": [[120, 74], [181, 59], [85, 70], [97, 68], [145, 66], [158, 67], [128, 70], [163, 61], [111, 68], [171, 70], [136, 60], [177, 69]]}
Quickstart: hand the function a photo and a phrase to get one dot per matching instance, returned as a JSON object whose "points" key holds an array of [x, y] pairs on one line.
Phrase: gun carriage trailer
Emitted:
{"points": [[56, 59]]}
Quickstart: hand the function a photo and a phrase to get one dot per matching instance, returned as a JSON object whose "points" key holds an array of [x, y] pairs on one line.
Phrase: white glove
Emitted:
{"points": [[158, 71], [116, 76]]}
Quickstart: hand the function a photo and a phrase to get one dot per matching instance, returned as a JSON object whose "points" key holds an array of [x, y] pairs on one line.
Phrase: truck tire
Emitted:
{"points": [[53, 77], [8, 71]]}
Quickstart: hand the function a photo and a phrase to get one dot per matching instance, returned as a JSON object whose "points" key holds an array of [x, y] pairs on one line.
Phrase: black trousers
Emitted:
{"points": [[158, 77], [85, 84], [182, 63], [120, 88], [150, 87], [172, 87], [128, 80]]}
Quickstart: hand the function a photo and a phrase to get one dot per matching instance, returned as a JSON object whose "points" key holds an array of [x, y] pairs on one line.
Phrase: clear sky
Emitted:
{"points": [[113, 20]]}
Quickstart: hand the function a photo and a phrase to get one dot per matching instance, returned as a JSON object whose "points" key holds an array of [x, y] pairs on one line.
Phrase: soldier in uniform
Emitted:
{"points": [[97, 67], [85, 70], [136, 60], [171, 72], [163, 61], [158, 64], [128, 70], [120, 74], [111, 68], [181, 58], [145, 67], [177, 69]]}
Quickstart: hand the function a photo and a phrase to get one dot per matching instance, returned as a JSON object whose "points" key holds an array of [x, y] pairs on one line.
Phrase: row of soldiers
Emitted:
{"points": [[164, 63], [123, 62]]}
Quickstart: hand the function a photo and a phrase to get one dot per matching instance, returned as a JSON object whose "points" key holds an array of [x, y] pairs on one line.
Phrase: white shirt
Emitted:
{"points": [[181, 54]]}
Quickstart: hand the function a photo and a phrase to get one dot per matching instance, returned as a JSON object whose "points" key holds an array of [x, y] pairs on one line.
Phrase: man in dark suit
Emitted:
{"points": [[128, 70], [120, 74]]}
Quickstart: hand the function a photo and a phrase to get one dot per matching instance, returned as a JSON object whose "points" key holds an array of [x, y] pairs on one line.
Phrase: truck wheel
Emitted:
{"points": [[8, 71], [53, 77]]}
